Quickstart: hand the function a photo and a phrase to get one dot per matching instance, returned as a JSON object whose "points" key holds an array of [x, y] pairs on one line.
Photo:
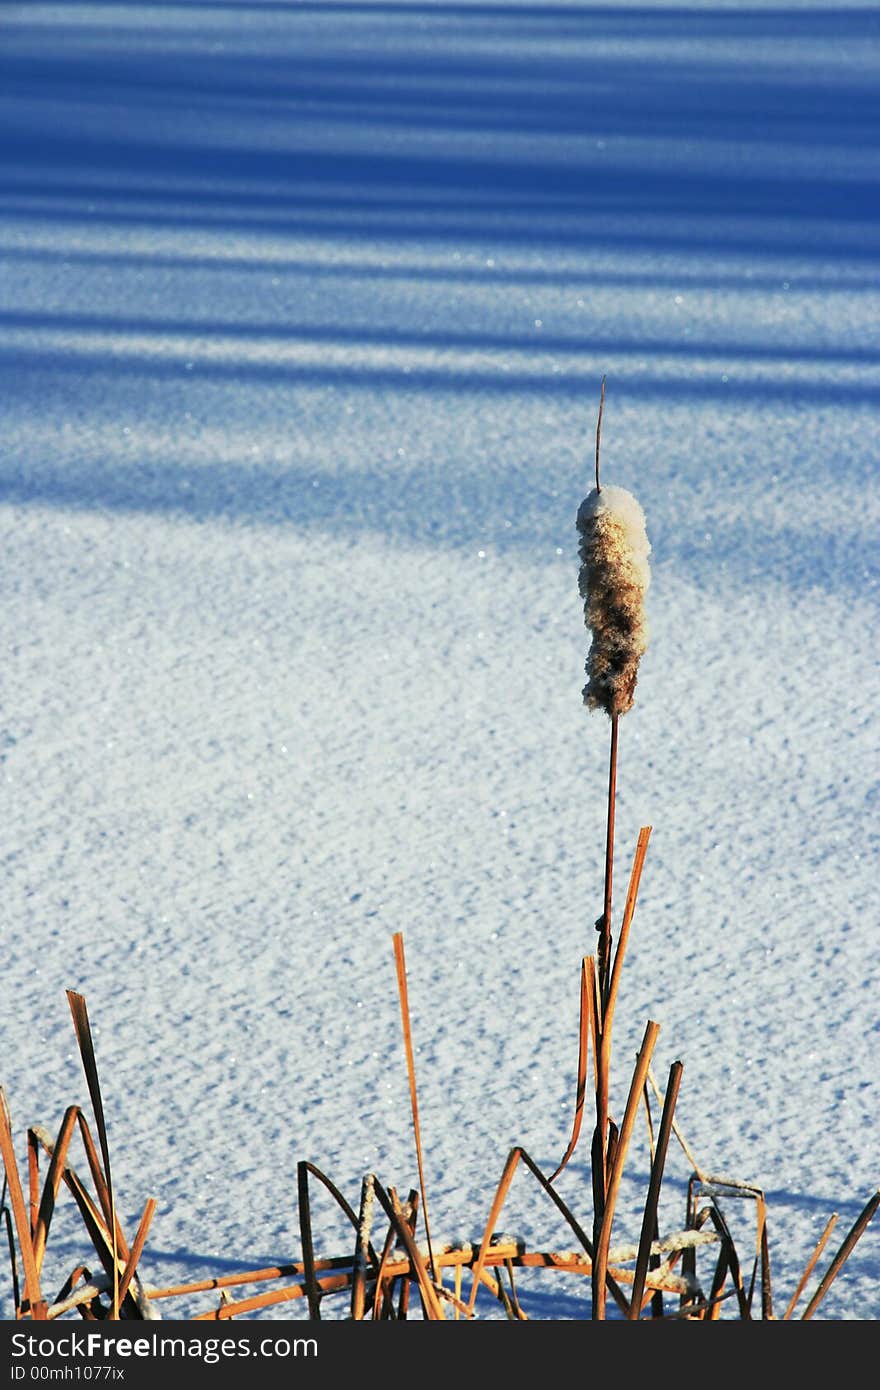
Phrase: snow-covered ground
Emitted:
{"points": [[305, 307]]}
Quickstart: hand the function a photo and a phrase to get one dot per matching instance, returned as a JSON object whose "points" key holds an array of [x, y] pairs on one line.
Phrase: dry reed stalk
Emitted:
{"points": [[251, 1276], [331, 1283], [308, 1250], [585, 1027], [521, 1317], [604, 1135], [494, 1212], [501, 1294], [359, 1274], [649, 1119], [33, 1168], [515, 1156], [728, 1260], [102, 1189], [83, 1030], [400, 963], [383, 1303], [54, 1178], [766, 1286], [137, 1248], [411, 1216], [810, 1266], [649, 1220], [626, 923], [842, 1255], [335, 1193], [394, 1211], [600, 1257], [10, 1241], [32, 1293]]}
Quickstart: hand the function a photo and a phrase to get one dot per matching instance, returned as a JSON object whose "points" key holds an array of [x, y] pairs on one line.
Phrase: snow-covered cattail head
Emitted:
{"points": [[613, 580]]}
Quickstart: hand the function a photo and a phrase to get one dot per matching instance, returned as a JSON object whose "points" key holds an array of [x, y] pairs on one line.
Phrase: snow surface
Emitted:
{"points": [[304, 313]]}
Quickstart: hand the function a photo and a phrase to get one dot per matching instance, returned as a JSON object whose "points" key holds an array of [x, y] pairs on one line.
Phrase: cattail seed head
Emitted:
{"points": [[613, 581]]}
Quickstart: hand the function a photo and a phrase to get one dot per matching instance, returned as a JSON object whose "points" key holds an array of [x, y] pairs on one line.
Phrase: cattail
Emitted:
{"points": [[613, 580]]}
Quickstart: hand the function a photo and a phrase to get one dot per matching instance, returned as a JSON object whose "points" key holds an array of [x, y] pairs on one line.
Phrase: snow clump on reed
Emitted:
{"points": [[613, 581]]}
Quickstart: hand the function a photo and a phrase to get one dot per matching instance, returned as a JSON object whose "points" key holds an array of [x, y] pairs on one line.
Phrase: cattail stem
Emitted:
{"points": [[605, 920], [600, 1155]]}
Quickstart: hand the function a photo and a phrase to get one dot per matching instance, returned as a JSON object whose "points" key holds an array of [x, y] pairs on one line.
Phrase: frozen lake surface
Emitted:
{"points": [[304, 314]]}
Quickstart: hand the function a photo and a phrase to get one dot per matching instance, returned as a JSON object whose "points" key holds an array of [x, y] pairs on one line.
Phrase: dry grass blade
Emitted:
{"points": [[628, 913], [810, 1266], [400, 963], [411, 1217], [650, 1121], [383, 1302], [764, 1257], [728, 1258], [54, 1177], [600, 1257], [842, 1255], [584, 1031], [313, 1293], [137, 1248], [712, 1307], [83, 1031], [502, 1295], [33, 1163], [19, 1210], [10, 1239], [102, 1191], [501, 1192], [521, 1316], [649, 1220]]}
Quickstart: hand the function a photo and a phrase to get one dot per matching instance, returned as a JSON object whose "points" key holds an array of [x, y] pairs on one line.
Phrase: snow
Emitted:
{"points": [[304, 314]]}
